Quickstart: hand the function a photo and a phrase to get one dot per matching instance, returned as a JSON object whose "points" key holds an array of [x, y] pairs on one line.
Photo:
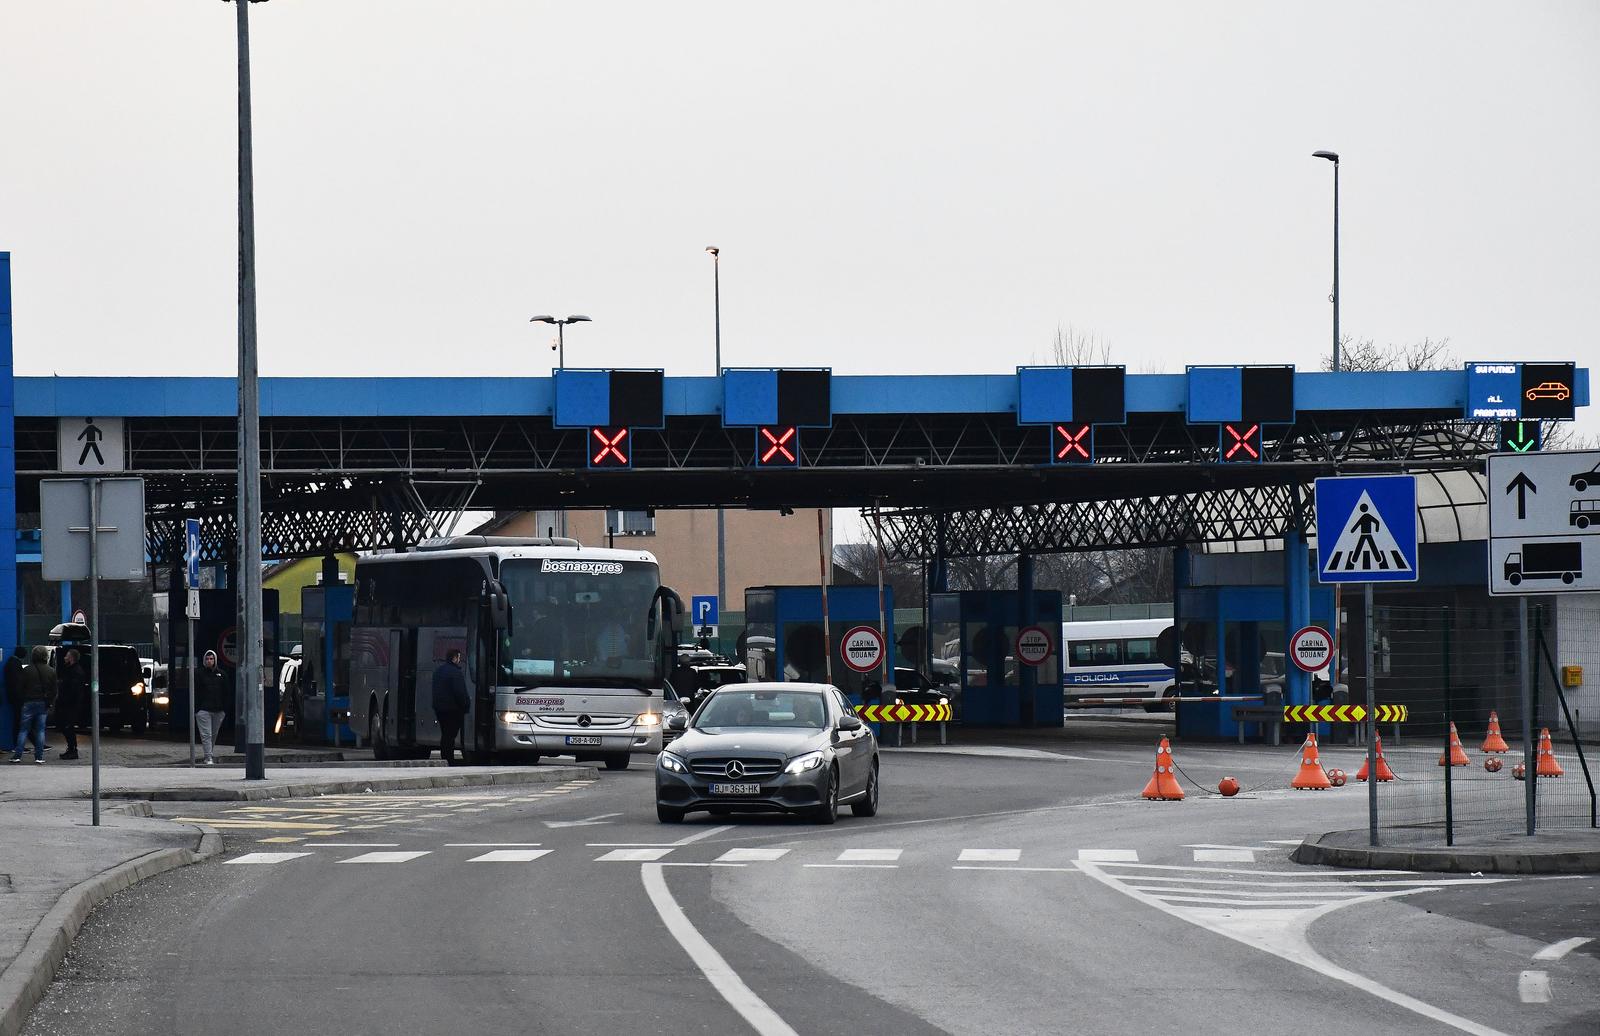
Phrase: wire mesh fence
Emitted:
{"points": [[1459, 763]]}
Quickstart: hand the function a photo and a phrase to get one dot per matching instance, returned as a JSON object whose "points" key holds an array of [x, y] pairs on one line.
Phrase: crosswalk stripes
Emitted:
{"points": [[634, 855], [869, 855], [1224, 856], [387, 856], [511, 855], [249, 858], [752, 855], [1108, 856], [989, 856]]}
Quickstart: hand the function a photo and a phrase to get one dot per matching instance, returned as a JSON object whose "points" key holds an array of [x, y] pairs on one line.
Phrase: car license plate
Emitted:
{"points": [[584, 742], [736, 789]]}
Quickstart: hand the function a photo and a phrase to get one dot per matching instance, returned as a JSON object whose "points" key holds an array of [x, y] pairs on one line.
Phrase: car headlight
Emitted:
{"points": [[802, 763], [647, 719], [944, 701], [161, 700], [137, 689], [515, 717], [899, 701], [673, 763]]}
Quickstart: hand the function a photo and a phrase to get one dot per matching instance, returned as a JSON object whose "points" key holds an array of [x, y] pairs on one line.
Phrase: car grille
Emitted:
{"points": [[595, 722], [754, 769]]}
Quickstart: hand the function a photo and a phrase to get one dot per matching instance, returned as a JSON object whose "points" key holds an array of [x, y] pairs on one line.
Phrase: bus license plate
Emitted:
{"points": [[736, 789], [584, 742]]}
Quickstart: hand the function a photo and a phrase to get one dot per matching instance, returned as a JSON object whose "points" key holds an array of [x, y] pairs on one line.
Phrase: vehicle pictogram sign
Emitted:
{"points": [[1367, 529]]}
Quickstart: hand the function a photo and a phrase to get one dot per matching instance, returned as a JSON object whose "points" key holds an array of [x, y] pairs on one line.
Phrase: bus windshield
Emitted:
{"points": [[580, 621]]}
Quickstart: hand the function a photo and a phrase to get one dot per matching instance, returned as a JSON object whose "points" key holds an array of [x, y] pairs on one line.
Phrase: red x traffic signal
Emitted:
{"points": [[1240, 443], [778, 446], [610, 448], [1071, 443]]}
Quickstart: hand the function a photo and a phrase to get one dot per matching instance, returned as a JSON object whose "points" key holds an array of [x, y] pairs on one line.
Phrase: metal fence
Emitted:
{"points": [[1461, 673]]}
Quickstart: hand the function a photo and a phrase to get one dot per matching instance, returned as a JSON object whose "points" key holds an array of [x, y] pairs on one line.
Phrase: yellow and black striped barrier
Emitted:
{"points": [[1341, 713], [904, 713]]}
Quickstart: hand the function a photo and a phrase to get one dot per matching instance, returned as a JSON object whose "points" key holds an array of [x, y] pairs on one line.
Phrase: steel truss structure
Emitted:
{"points": [[358, 483]]}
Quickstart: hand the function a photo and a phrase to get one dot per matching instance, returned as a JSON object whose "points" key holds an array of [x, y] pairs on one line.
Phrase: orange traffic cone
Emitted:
{"points": [[1456, 756], [1492, 741], [1548, 767], [1311, 776], [1384, 773], [1164, 782]]}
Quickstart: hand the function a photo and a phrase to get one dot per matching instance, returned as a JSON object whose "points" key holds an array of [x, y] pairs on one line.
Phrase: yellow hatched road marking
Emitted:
{"points": [[282, 839], [254, 824]]}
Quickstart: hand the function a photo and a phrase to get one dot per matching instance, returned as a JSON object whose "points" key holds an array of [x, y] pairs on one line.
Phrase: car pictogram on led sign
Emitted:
{"points": [[1071, 443], [610, 448], [778, 447], [1240, 443]]}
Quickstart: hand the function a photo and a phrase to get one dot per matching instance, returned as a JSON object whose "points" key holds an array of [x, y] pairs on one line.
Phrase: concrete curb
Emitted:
{"points": [[25, 981], [240, 792], [1455, 861]]}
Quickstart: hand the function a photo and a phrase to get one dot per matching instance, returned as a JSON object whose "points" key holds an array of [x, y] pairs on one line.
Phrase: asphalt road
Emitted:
{"points": [[990, 895]]}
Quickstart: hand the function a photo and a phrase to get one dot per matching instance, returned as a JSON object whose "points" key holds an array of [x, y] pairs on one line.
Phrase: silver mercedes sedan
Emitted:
{"points": [[764, 747]]}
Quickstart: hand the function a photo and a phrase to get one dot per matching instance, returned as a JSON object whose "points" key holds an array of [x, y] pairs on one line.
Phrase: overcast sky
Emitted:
{"points": [[910, 186]]}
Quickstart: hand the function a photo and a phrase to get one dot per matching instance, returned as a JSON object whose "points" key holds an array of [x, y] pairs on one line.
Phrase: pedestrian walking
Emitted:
{"points": [[13, 677], [450, 703], [72, 703], [212, 696], [38, 695]]}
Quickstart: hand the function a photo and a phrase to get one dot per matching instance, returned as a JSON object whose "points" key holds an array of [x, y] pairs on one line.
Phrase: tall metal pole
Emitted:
{"points": [[827, 633], [561, 344], [1449, 763], [94, 649], [249, 433], [1372, 722], [1336, 344], [1530, 801], [191, 686], [722, 521]]}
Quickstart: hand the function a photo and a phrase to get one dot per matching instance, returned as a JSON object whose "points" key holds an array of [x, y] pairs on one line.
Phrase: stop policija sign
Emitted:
{"points": [[1033, 645], [862, 649], [1312, 649]]}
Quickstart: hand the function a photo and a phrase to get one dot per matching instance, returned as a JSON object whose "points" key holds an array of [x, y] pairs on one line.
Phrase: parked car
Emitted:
{"points": [[770, 747], [156, 686], [124, 696]]}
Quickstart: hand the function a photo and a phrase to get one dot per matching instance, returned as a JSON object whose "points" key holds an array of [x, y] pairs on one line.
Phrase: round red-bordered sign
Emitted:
{"points": [[1033, 645], [228, 647], [862, 649], [1312, 649]]}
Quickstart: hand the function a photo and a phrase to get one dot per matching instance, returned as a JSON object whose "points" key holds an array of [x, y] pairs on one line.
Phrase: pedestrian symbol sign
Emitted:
{"points": [[1367, 529], [89, 445]]}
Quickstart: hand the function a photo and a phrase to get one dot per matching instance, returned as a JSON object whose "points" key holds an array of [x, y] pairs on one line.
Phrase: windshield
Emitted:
{"points": [[726, 708], [579, 621]]}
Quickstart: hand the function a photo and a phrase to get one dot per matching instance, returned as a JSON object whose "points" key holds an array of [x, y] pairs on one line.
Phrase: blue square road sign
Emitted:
{"points": [[1367, 529], [703, 610]]}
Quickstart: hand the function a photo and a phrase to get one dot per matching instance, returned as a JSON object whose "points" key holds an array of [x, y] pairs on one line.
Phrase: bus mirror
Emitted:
{"points": [[499, 606]]}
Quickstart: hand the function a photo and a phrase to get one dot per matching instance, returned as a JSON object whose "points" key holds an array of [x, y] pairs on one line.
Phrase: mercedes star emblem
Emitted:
{"points": [[735, 769], [584, 720]]}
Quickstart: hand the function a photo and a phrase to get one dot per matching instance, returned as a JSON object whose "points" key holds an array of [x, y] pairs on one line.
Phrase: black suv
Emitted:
{"points": [[124, 697]]}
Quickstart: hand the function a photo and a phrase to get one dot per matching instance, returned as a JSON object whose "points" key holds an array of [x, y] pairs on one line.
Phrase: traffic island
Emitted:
{"points": [[1561, 851]]}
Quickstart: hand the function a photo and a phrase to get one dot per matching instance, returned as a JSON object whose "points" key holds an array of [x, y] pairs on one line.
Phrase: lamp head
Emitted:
{"points": [[542, 319], [577, 320], [714, 250], [1332, 156]]}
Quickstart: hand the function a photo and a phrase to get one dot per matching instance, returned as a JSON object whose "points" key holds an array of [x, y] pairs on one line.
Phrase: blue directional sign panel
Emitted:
{"points": [[791, 398], [1230, 395], [1367, 529], [703, 610], [1505, 391], [609, 399], [1071, 395], [1493, 391], [191, 553]]}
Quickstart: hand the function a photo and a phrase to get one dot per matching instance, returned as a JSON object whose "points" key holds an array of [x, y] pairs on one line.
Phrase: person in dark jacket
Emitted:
{"points": [[450, 702], [38, 694], [72, 703], [13, 676], [212, 696]]}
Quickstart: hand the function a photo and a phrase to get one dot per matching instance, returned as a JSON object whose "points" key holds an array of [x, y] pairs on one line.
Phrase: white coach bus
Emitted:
{"points": [[567, 648]]}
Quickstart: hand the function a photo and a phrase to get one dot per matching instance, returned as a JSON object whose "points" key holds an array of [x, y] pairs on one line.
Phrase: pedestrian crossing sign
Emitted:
{"points": [[1367, 529]]}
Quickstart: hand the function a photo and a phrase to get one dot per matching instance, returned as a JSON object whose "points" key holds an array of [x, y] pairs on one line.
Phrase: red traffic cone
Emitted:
{"points": [[1311, 776], [1163, 784], [1492, 741], [1547, 766], [1456, 756], [1384, 773]]}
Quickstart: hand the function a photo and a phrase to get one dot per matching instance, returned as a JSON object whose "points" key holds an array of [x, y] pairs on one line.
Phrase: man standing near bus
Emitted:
{"points": [[450, 703]]}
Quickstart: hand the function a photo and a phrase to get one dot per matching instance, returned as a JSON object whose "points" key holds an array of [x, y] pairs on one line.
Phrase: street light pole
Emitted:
{"points": [[249, 537], [1333, 156], [561, 333], [722, 520]]}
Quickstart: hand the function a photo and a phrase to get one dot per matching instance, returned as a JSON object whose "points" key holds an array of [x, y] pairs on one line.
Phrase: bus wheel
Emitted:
{"points": [[617, 762], [380, 747]]}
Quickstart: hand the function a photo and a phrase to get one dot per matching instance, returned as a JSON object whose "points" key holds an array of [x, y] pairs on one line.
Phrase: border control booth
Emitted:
{"points": [[783, 639], [1004, 677]]}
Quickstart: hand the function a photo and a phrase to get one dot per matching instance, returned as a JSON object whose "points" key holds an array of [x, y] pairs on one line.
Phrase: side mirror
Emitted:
{"points": [[679, 722], [850, 722], [498, 604]]}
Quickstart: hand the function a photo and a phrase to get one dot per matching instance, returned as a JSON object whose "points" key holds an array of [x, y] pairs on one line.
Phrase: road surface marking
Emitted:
{"points": [[1281, 932], [869, 856], [1285, 841], [990, 855], [707, 833], [1047, 870], [859, 866], [491, 845], [1213, 845], [385, 857], [752, 855], [1557, 950], [1534, 987], [762, 1018], [1224, 856], [640, 855], [1226, 870], [511, 855], [1108, 856], [267, 857], [281, 840], [351, 845]]}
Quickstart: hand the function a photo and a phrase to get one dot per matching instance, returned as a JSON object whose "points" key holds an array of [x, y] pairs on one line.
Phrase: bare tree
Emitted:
{"points": [[1365, 355], [1074, 348]]}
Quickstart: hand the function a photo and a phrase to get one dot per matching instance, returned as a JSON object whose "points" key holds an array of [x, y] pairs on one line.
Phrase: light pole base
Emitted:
{"points": [[255, 762]]}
